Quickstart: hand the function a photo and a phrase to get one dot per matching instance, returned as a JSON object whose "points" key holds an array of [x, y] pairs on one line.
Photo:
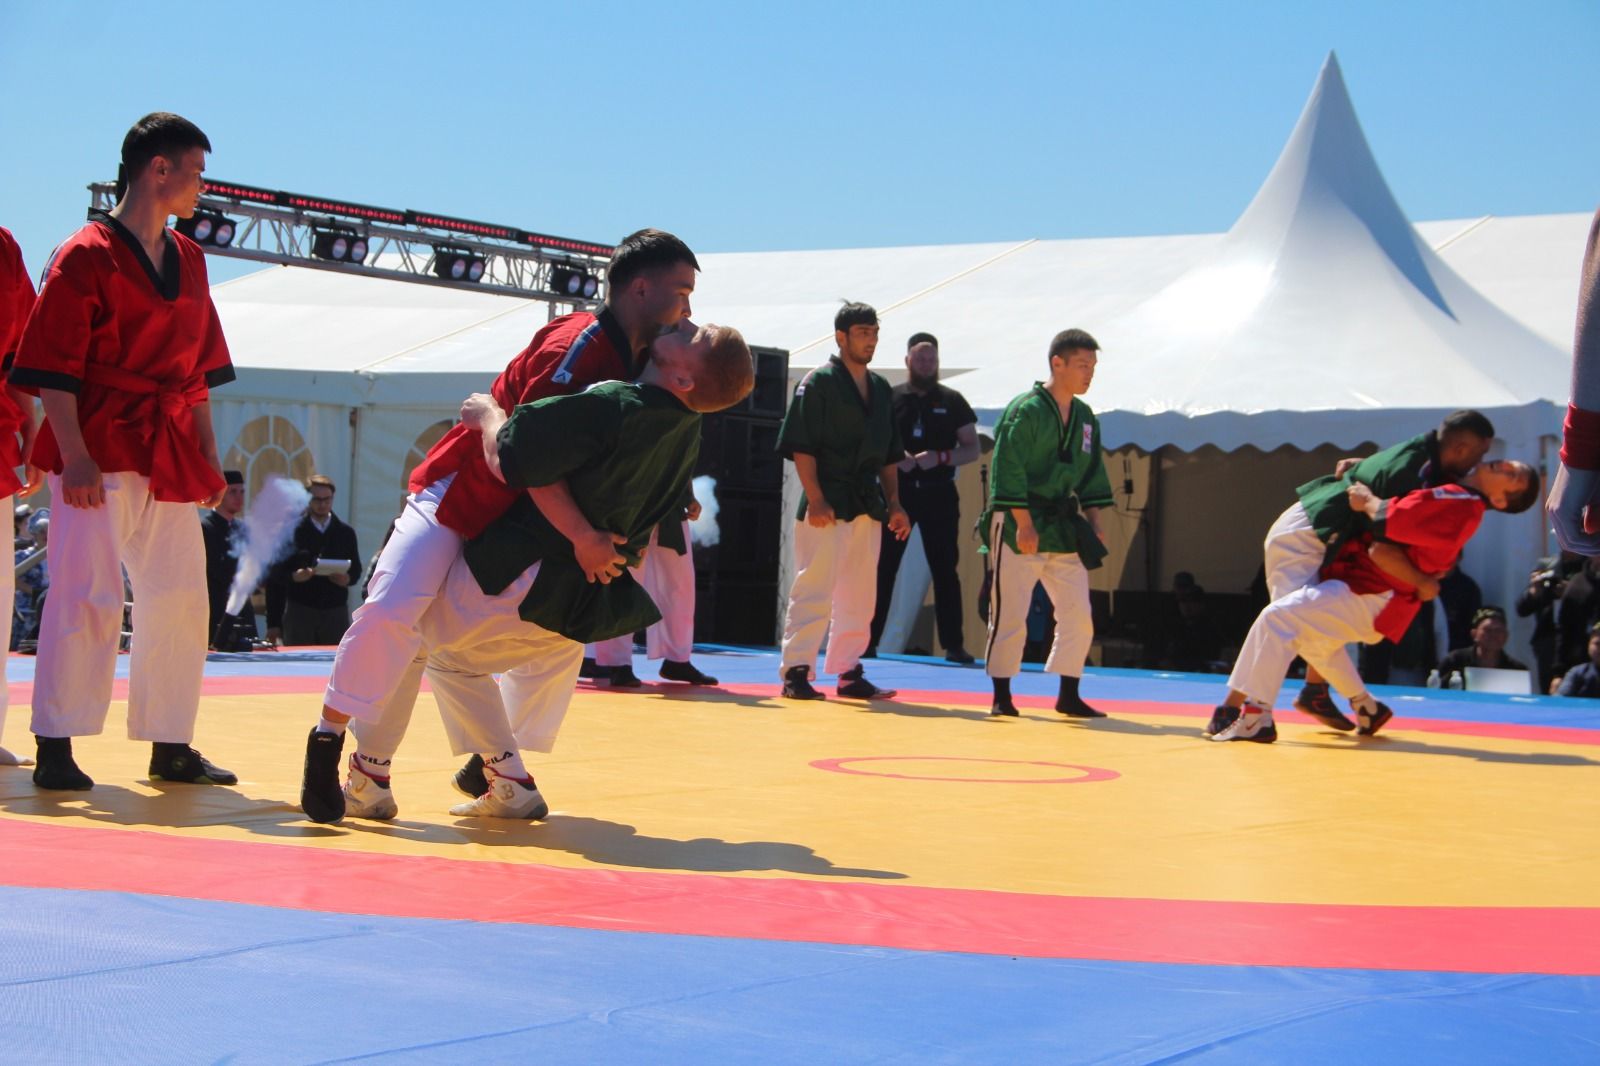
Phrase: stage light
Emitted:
{"points": [[358, 250], [208, 227], [570, 282], [454, 264], [334, 244]]}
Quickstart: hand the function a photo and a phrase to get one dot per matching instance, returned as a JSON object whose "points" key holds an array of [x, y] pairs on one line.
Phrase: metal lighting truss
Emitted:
{"points": [[279, 227]]}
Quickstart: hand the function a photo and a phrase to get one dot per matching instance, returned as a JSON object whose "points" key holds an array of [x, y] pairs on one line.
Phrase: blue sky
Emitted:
{"points": [[759, 126]]}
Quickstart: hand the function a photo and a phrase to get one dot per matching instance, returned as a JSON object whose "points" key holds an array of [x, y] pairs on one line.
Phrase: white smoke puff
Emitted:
{"points": [[704, 530], [267, 529]]}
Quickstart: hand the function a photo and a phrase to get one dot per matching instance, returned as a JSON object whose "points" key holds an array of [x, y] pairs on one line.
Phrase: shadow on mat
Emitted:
{"points": [[174, 807], [677, 693], [1394, 745], [616, 844]]}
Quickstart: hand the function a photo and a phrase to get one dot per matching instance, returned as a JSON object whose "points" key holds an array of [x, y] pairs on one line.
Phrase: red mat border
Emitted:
{"points": [[1546, 940]]}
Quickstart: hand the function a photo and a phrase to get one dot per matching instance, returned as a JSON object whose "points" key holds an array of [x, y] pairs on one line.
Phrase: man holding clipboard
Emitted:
{"points": [[308, 593]]}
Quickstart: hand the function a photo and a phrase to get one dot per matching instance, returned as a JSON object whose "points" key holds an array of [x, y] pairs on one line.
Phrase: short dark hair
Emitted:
{"points": [[1483, 614], [646, 250], [922, 338], [1525, 497], [1072, 340], [854, 314], [158, 133], [1475, 422]]}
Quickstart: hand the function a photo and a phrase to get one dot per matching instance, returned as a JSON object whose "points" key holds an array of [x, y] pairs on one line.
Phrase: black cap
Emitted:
{"points": [[233, 477]]}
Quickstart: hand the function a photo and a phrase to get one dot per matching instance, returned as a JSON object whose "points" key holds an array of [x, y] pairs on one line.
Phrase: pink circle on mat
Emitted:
{"points": [[1086, 774]]}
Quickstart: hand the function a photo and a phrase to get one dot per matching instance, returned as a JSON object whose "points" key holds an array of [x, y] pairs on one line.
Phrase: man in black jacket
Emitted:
{"points": [[225, 632], [304, 606]]}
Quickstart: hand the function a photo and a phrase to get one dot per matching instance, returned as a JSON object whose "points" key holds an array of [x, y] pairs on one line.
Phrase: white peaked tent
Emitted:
{"points": [[1321, 318]]}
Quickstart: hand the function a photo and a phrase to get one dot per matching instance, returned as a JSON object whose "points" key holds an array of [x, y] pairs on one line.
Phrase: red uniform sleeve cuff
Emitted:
{"points": [[1580, 439]]}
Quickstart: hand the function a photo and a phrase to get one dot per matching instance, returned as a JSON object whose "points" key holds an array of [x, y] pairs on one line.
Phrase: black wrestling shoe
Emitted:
{"points": [[470, 780], [181, 763], [588, 669], [853, 685], [1221, 718], [321, 797], [1376, 720], [622, 677], [1316, 701], [687, 672], [797, 684], [54, 768], [1076, 708], [1002, 707], [959, 656]]}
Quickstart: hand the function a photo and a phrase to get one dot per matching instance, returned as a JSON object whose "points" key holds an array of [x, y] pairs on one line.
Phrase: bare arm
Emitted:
{"points": [[819, 512], [596, 551], [208, 448], [28, 431], [1574, 501], [81, 484], [899, 521], [1392, 560], [966, 449]]}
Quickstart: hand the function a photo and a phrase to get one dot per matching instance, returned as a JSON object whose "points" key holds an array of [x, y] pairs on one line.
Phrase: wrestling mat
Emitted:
{"points": [[730, 877]]}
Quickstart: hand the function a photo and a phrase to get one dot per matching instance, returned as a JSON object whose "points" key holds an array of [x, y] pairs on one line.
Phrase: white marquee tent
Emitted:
{"points": [[1323, 317]]}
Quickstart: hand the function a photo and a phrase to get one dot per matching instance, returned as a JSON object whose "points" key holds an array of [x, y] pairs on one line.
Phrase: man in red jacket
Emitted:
{"points": [[123, 348], [16, 432], [376, 673]]}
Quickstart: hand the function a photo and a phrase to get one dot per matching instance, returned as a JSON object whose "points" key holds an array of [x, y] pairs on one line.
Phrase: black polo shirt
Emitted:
{"points": [[928, 422]]}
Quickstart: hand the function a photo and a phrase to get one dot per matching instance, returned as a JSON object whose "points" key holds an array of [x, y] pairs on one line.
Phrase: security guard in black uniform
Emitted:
{"points": [[939, 433]]}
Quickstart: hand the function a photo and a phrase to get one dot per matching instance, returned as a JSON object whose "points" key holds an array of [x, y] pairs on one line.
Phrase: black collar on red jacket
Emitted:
{"points": [[166, 280]]}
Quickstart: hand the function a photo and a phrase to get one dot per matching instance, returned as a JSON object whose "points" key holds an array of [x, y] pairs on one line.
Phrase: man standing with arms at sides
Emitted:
{"points": [[123, 348], [454, 497], [217, 526], [840, 434], [939, 433], [1047, 487], [16, 433]]}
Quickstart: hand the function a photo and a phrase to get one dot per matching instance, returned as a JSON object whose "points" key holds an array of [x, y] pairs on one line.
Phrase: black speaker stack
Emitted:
{"points": [[736, 580]]}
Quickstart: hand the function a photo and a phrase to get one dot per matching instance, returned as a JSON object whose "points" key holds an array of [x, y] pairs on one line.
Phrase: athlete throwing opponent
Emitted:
{"points": [[454, 497], [616, 457], [1362, 595]]}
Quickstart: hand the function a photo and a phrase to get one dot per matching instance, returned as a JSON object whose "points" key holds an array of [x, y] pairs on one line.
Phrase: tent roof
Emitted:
{"points": [[1322, 315]]}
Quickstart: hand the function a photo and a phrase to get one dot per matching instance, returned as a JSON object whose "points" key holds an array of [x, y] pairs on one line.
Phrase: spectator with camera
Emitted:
{"points": [[1546, 585]]}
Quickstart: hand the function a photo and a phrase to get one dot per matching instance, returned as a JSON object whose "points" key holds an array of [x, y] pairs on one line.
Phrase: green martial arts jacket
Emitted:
{"points": [[627, 451], [1051, 467], [1407, 466], [852, 441]]}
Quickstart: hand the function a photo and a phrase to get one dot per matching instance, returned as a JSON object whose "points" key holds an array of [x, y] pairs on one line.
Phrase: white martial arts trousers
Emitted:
{"points": [[835, 589], [1066, 582], [467, 637], [377, 656], [1294, 555], [669, 579], [161, 546], [1315, 622]]}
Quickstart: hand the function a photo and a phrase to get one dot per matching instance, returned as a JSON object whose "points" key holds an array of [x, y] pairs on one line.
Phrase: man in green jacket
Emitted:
{"points": [[1047, 485], [840, 434]]}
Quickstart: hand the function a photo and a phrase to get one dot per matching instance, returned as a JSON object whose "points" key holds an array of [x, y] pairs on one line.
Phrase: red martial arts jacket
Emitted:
{"points": [[16, 302], [1431, 525], [565, 357], [138, 346]]}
